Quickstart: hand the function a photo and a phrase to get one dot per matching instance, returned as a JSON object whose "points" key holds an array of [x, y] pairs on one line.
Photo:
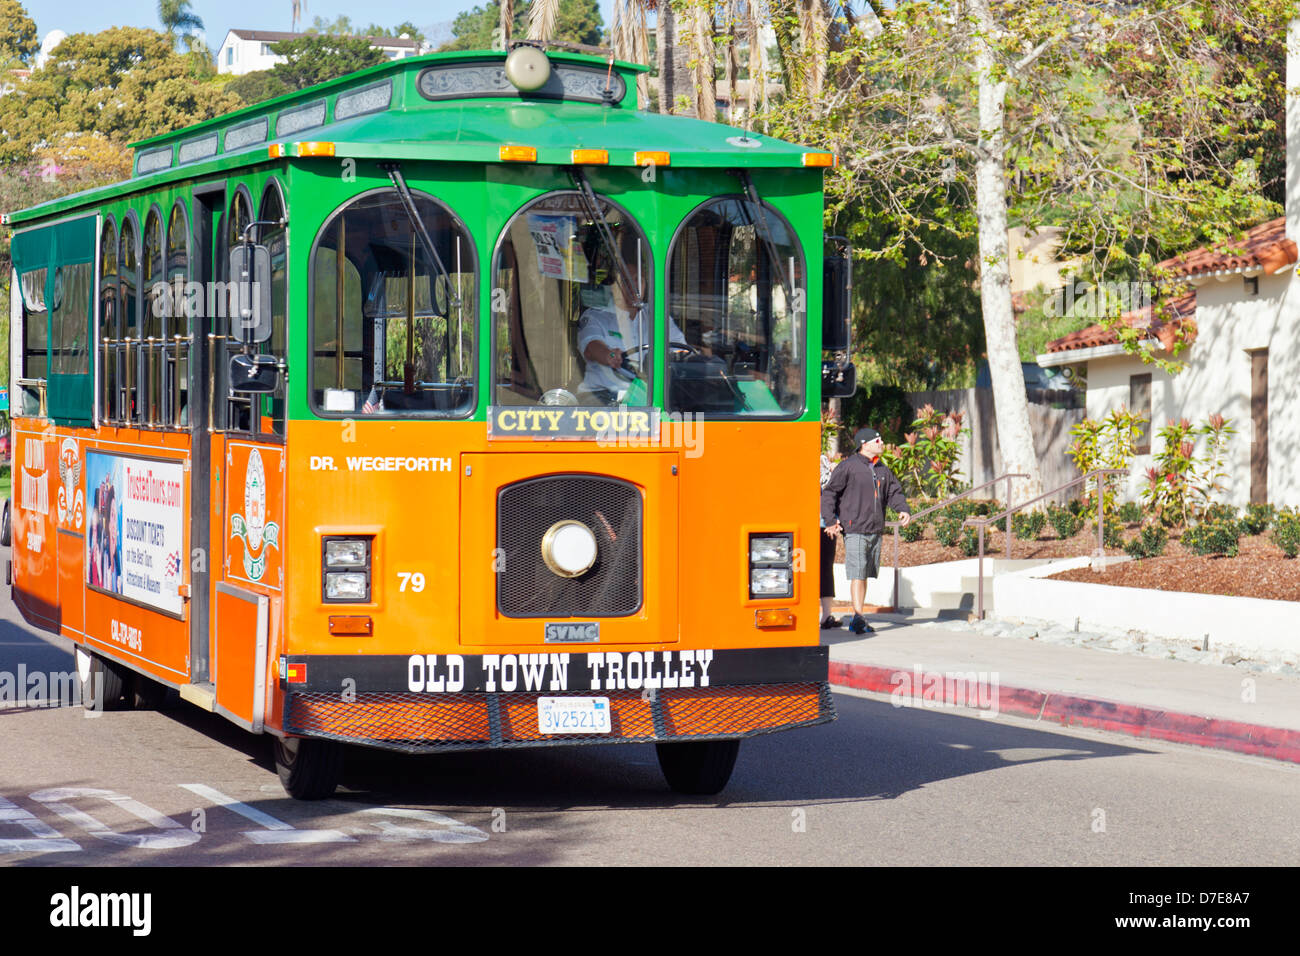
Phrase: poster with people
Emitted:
{"points": [[135, 532]]}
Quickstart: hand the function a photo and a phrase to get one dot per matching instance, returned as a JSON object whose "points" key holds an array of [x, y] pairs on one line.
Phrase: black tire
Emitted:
{"points": [[700, 767], [309, 769], [145, 693], [6, 531], [103, 686]]}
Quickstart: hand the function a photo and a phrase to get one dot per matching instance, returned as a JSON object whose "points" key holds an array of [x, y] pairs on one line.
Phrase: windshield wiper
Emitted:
{"points": [[394, 171], [592, 205], [764, 233]]}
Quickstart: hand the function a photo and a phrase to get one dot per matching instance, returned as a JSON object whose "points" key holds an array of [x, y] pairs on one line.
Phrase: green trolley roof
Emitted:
{"points": [[451, 107]]}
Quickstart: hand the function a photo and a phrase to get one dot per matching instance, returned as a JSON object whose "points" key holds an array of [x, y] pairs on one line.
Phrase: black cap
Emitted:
{"points": [[864, 435]]}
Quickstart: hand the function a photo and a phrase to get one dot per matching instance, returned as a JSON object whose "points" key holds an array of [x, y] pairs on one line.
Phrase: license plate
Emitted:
{"points": [[573, 715]]}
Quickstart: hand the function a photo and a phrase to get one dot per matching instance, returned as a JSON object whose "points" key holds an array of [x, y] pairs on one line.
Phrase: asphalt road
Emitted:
{"points": [[879, 786]]}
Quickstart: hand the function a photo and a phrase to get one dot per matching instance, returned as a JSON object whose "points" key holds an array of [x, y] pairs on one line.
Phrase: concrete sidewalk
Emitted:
{"points": [[1210, 705]]}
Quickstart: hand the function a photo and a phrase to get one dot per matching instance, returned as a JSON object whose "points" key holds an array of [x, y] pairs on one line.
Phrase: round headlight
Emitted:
{"points": [[569, 548]]}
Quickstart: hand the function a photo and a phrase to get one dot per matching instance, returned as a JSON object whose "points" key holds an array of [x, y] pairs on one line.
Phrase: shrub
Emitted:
{"points": [[1130, 512], [1220, 512], [1257, 519], [970, 542], [1148, 543], [1212, 537], [1027, 525], [1286, 531], [1065, 522], [913, 531], [1112, 533], [948, 530]]}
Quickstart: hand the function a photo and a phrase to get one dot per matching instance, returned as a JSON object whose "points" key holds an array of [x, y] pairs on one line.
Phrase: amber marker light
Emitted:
{"points": [[591, 157], [315, 149], [774, 617], [518, 154], [819, 159], [357, 625], [277, 150], [652, 157]]}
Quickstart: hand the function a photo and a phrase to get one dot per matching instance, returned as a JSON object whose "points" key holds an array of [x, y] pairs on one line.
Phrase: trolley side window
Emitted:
{"points": [[56, 279], [109, 334], [393, 327], [736, 284]]}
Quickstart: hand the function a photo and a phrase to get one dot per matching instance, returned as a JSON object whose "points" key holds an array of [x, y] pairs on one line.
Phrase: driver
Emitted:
{"points": [[613, 341]]}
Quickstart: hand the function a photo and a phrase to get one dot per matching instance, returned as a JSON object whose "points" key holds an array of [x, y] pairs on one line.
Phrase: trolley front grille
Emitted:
{"points": [[611, 508], [430, 723]]}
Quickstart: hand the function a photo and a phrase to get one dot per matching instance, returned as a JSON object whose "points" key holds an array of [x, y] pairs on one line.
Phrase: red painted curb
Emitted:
{"points": [[1133, 719]]}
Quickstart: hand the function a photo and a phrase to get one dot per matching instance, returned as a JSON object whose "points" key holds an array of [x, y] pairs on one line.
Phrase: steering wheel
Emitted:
{"points": [[678, 351]]}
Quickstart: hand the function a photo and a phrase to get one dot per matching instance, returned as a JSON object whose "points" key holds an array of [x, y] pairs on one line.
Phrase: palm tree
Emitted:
{"points": [[177, 18], [298, 6]]}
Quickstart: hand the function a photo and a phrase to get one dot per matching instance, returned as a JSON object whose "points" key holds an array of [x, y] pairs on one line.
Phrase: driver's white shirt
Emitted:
{"points": [[617, 330]]}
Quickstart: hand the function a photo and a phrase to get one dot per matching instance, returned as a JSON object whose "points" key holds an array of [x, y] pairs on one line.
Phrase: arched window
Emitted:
{"points": [[109, 333], [129, 353], [577, 327], [178, 318], [736, 286], [155, 308], [393, 323]]}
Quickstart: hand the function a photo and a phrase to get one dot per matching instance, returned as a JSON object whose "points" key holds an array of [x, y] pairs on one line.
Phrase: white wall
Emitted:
{"points": [[1217, 379]]}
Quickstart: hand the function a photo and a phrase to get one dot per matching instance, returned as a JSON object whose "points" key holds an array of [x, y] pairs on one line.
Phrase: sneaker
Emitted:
{"points": [[859, 624], [831, 622]]}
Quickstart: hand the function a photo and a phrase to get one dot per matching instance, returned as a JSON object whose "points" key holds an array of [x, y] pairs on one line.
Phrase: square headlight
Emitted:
{"points": [[774, 549], [345, 569], [347, 552]]}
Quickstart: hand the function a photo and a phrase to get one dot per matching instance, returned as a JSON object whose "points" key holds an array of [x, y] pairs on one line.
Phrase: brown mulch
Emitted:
{"points": [[1261, 570]]}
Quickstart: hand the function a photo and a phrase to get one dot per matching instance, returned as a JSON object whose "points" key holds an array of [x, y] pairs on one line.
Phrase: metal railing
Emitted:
{"points": [[943, 504], [984, 522]]}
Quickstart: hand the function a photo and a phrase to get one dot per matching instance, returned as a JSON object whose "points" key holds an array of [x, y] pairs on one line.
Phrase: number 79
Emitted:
{"points": [[414, 578]]}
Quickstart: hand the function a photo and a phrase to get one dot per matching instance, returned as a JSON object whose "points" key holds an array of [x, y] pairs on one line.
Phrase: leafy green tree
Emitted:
{"points": [[257, 87], [18, 38], [339, 26], [576, 21], [1114, 122], [126, 83], [316, 58]]}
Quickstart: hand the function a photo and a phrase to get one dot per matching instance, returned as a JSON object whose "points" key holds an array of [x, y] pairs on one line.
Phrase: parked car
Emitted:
{"points": [[1043, 386]]}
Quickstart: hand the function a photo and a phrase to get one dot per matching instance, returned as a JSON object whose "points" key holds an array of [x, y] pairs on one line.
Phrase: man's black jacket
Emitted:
{"points": [[857, 493]]}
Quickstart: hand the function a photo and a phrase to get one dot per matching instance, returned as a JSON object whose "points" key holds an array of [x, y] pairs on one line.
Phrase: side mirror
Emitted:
{"points": [[254, 373], [837, 284], [250, 294], [839, 381]]}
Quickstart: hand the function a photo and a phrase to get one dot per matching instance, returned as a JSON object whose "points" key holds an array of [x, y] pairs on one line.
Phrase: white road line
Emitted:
{"points": [[273, 831]]}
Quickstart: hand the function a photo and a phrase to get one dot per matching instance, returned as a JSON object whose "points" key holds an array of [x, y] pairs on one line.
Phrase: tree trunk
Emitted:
{"points": [[673, 59], [1011, 407]]}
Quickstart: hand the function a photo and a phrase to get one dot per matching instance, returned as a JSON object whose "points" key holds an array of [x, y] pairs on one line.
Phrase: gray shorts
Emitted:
{"points": [[861, 556]]}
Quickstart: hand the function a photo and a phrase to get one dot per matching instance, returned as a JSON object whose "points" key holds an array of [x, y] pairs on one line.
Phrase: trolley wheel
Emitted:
{"points": [[309, 769], [102, 683], [698, 766], [145, 693]]}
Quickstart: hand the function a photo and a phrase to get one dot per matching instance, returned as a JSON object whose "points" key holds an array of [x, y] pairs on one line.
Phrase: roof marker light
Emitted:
{"points": [[315, 148], [820, 159], [652, 157], [277, 150], [591, 157], [518, 154]]}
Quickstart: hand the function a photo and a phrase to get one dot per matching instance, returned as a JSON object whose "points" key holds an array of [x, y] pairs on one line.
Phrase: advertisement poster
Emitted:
{"points": [[135, 533], [557, 256]]}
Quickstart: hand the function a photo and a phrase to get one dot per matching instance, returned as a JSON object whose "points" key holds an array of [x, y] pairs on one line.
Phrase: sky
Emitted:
{"points": [[91, 16]]}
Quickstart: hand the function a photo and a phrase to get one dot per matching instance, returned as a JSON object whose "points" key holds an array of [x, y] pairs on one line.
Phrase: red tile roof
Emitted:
{"points": [[1180, 316], [1264, 247]]}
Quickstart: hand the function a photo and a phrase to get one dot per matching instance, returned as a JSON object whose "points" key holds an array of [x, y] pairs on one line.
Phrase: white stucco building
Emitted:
{"points": [[1241, 314], [245, 51]]}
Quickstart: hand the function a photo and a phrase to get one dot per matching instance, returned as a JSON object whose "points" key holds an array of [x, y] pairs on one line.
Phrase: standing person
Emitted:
{"points": [[829, 620], [854, 502]]}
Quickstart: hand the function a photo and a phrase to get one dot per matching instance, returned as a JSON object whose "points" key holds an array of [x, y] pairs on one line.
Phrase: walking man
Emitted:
{"points": [[854, 502]]}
